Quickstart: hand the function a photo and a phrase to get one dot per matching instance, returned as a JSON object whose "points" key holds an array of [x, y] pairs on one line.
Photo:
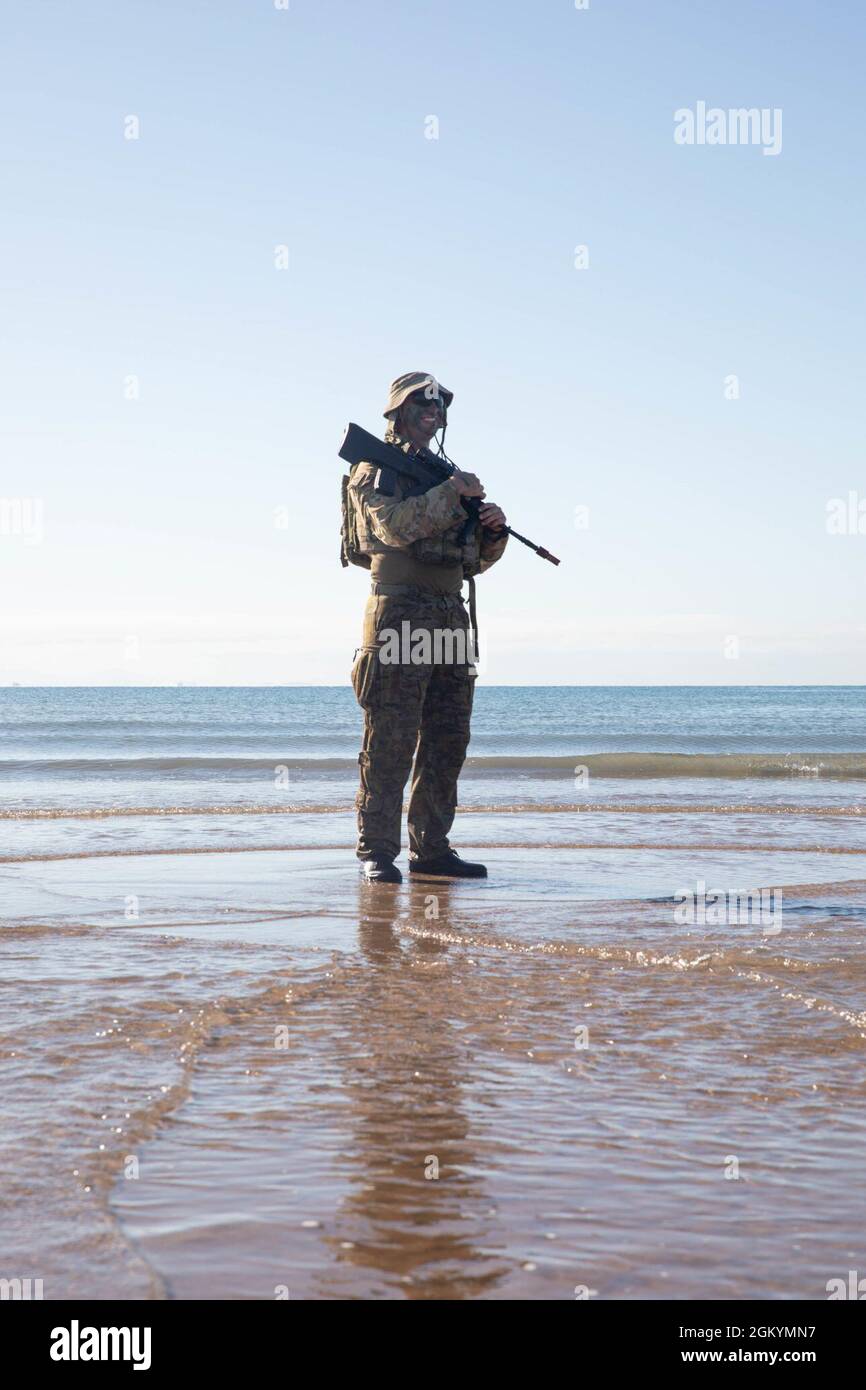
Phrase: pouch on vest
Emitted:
{"points": [[350, 551]]}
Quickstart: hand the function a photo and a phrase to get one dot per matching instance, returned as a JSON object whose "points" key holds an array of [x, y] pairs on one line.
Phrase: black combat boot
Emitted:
{"points": [[380, 870], [447, 865]]}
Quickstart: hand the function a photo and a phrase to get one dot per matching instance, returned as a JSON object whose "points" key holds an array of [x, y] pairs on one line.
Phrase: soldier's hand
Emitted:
{"points": [[492, 517], [467, 484]]}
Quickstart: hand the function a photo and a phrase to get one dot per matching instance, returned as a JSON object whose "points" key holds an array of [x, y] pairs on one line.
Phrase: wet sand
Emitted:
{"points": [[238, 1075]]}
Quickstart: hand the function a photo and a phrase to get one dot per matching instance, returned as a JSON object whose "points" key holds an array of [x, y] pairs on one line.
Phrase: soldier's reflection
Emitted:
{"points": [[418, 1218]]}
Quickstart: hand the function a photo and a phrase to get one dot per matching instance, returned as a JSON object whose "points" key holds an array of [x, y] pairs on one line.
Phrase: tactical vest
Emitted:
{"points": [[460, 543]]}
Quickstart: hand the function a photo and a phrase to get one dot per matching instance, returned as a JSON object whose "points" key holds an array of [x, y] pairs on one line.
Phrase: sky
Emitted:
{"points": [[227, 226]]}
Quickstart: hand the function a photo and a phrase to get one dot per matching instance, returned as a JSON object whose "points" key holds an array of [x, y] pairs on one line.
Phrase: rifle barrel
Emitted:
{"points": [[539, 549], [474, 503]]}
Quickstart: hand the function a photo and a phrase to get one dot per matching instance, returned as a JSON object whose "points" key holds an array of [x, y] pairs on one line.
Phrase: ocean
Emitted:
{"points": [[610, 1070]]}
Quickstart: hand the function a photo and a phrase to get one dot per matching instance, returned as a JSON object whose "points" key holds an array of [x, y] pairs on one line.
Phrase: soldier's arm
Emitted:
{"points": [[492, 545], [398, 521]]}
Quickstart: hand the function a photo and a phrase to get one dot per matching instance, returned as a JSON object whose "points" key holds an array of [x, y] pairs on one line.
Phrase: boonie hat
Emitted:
{"points": [[405, 385]]}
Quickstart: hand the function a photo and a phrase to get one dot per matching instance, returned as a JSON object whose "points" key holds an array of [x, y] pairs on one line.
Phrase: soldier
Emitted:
{"points": [[421, 544]]}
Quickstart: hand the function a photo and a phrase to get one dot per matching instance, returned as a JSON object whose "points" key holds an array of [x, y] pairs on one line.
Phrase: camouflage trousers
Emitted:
{"points": [[412, 708]]}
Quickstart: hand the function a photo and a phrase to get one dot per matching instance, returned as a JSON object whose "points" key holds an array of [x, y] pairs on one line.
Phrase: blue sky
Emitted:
{"points": [[158, 558]]}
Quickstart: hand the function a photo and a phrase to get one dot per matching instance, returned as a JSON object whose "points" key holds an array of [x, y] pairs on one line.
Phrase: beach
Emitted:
{"points": [[233, 1071]]}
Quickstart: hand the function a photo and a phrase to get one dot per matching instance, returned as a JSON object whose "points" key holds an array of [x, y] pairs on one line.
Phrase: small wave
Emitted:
{"points": [[633, 765], [511, 808], [97, 766], [546, 847], [672, 765]]}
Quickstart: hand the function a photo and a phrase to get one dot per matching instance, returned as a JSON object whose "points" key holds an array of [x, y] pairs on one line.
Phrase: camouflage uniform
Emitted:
{"points": [[413, 709]]}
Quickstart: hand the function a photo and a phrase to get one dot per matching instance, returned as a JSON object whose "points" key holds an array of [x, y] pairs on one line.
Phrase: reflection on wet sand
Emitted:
{"points": [[418, 1209]]}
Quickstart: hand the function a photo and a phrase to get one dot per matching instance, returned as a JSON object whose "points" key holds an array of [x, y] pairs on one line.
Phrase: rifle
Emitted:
{"points": [[359, 446]]}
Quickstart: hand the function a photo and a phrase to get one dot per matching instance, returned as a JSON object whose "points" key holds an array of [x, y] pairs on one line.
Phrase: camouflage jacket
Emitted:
{"points": [[428, 526]]}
